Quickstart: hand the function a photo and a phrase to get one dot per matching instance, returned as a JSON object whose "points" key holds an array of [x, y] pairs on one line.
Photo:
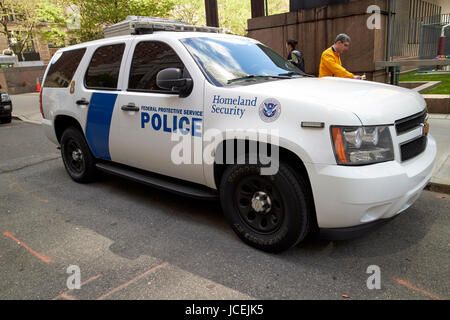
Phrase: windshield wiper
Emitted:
{"points": [[290, 74], [255, 77], [294, 73]]}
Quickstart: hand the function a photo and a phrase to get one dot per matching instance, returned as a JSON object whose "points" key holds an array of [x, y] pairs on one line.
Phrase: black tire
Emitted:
{"points": [[6, 120], [289, 218], [77, 157]]}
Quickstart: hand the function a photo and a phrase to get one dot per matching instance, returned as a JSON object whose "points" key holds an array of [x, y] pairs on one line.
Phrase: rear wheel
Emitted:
{"points": [[77, 157], [271, 213]]}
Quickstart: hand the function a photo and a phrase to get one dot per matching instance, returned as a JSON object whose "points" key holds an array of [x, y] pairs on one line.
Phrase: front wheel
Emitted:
{"points": [[271, 213], [77, 157]]}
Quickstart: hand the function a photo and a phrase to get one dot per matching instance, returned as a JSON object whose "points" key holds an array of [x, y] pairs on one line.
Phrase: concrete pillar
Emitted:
{"points": [[257, 8], [42, 48], [212, 13]]}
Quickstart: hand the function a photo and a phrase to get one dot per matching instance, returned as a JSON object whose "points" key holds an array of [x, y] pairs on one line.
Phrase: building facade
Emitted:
{"points": [[315, 28]]}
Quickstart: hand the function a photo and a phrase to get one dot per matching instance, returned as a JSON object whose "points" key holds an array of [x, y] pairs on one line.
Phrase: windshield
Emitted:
{"points": [[228, 61]]}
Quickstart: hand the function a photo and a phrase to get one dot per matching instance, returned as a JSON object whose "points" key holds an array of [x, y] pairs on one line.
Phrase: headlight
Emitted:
{"points": [[5, 97], [362, 145]]}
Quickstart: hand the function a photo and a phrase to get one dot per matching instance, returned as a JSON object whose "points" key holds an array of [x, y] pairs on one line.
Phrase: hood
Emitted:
{"points": [[373, 103]]}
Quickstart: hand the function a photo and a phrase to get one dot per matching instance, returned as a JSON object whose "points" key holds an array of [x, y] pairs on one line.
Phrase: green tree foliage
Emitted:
{"points": [[72, 21], [18, 21], [233, 14], [22, 21], [96, 14], [189, 11], [53, 19]]}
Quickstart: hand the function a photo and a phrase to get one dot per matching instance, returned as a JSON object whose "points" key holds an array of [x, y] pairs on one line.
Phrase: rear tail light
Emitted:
{"points": [[40, 103]]}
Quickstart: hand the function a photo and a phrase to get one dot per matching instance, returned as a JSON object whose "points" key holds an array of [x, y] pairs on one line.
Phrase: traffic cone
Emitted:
{"points": [[38, 85]]}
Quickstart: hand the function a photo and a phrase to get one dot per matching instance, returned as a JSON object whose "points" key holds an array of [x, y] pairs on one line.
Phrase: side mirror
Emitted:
{"points": [[172, 79]]}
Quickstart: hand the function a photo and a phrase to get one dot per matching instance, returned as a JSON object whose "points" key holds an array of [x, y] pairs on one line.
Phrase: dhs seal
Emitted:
{"points": [[269, 110]]}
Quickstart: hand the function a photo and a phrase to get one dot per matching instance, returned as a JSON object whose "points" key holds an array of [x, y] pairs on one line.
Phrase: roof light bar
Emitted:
{"points": [[134, 25]]}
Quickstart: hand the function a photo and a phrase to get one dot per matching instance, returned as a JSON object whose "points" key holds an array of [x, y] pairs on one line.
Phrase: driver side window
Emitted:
{"points": [[149, 58]]}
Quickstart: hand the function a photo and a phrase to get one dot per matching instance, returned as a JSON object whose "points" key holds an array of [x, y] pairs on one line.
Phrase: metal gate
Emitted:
{"points": [[419, 37], [429, 38]]}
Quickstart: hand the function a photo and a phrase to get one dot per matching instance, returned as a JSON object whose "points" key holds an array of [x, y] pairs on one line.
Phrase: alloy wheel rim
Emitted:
{"points": [[259, 204], [74, 157]]}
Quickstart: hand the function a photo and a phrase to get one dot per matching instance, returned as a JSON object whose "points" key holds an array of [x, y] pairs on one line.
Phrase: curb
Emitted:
{"points": [[22, 118], [438, 187]]}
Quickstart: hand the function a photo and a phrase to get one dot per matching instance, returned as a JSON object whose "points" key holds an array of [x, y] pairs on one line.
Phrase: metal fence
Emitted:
{"points": [[429, 40], [419, 37]]}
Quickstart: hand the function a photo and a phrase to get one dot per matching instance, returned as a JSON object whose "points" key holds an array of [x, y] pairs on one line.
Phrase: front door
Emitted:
{"points": [[160, 131]]}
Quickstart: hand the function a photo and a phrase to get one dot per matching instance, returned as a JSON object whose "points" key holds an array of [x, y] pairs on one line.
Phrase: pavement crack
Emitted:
{"points": [[7, 168]]}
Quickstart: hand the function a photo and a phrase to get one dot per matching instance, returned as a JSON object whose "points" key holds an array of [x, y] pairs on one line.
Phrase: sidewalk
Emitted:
{"points": [[26, 108], [440, 130]]}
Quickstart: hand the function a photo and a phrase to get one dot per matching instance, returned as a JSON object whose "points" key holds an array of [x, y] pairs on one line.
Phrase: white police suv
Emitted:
{"points": [[212, 116]]}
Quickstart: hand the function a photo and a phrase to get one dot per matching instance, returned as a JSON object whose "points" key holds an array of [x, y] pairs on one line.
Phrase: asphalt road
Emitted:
{"points": [[135, 242]]}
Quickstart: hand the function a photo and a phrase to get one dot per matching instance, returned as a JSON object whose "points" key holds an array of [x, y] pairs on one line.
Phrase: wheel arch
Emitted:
{"points": [[285, 155], [62, 122]]}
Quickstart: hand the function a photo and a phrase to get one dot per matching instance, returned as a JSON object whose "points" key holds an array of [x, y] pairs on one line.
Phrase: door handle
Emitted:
{"points": [[130, 108], [82, 102]]}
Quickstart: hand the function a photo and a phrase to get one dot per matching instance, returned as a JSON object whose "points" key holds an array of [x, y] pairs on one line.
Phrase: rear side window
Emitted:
{"points": [[62, 70], [149, 58], [103, 71]]}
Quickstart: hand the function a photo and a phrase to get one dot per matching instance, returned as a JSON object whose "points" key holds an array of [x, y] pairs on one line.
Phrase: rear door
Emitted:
{"points": [[97, 97]]}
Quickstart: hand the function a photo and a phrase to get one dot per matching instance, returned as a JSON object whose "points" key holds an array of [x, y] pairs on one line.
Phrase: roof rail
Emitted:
{"points": [[134, 25]]}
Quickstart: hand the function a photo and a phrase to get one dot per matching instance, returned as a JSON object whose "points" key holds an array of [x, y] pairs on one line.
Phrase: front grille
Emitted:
{"points": [[414, 121], [413, 148]]}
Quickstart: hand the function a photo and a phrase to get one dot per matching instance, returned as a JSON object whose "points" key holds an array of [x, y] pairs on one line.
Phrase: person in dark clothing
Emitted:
{"points": [[295, 56]]}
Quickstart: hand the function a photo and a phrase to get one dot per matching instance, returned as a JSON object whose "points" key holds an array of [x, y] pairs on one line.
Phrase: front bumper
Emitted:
{"points": [[355, 196], [5, 109], [352, 232]]}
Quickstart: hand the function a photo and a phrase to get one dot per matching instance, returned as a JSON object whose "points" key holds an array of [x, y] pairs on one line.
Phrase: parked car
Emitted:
{"points": [[5, 107], [173, 109]]}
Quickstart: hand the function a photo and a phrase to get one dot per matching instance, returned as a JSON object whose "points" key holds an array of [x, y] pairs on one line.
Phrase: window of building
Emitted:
{"points": [[61, 72], [103, 70], [149, 58]]}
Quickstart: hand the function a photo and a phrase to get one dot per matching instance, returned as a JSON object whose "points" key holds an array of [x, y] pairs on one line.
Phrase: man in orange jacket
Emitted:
{"points": [[330, 63]]}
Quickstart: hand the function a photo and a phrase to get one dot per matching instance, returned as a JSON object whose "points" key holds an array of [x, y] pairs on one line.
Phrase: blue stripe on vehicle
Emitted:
{"points": [[98, 123]]}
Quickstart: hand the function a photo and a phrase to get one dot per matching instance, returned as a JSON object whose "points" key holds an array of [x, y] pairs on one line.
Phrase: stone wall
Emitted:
{"points": [[316, 29]]}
